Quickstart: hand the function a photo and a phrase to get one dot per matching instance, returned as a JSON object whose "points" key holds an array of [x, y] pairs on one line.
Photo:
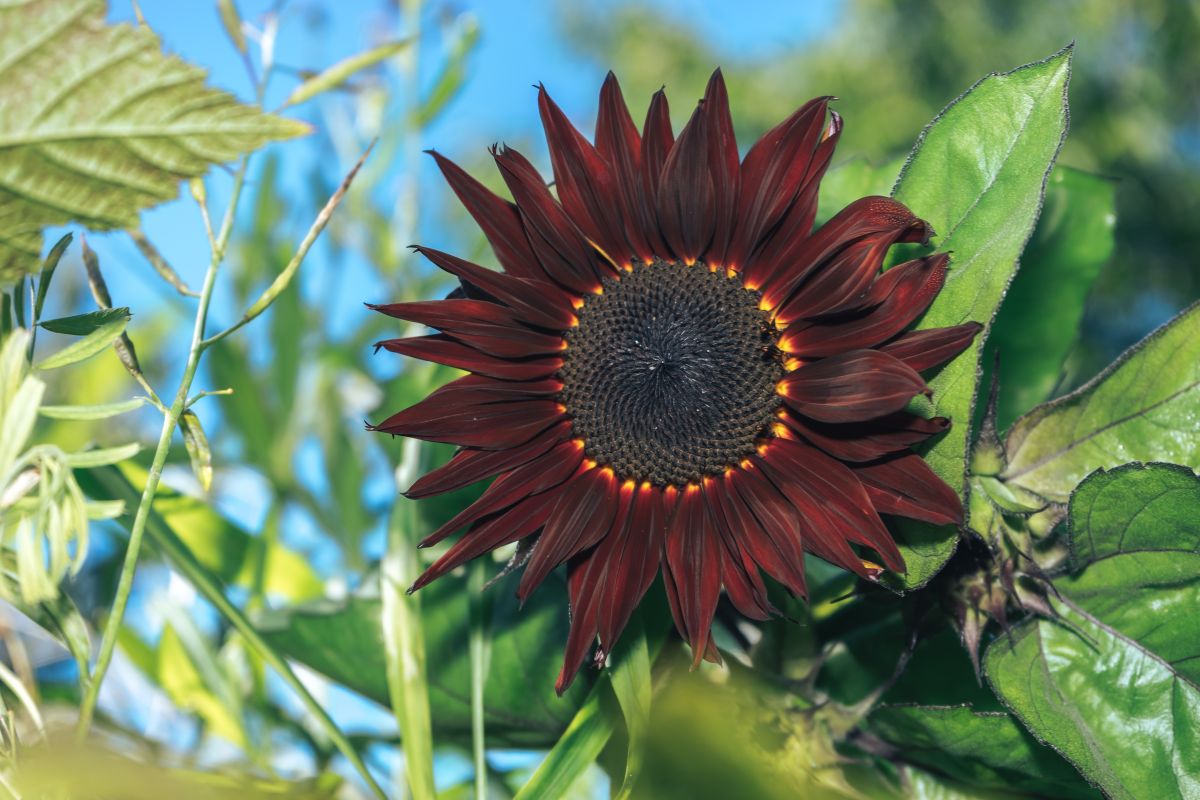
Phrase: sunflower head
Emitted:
{"points": [[675, 372]]}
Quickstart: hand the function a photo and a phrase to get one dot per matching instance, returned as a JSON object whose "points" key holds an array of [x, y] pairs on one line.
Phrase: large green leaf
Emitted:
{"points": [[986, 749], [1038, 322], [1142, 408], [977, 175], [345, 642], [1112, 684], [96, 123]]}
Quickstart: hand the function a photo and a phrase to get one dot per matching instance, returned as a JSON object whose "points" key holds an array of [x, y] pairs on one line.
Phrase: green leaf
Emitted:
{"points": [[1038, 322], [217, 543], [631, 683], [183, 682], [102, 457], [1142, 408], [91, 344], [101, 411], [196, 444], [977, 175], [345, 642], [986, 749], [453, 72], [83, 324], [96, 123], [1113, 684], [339, 73]]}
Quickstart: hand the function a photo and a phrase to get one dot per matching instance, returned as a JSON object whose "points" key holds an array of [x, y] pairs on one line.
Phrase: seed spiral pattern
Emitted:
{"points": [[671, 373]]}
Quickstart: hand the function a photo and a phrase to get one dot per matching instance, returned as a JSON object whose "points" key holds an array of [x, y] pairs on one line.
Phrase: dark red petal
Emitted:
{"points": [[694, 563], [586, 186], [766, 524], [448, 417], [657, 143], [722, 165], [488, 327], [850, 387], [686, 196], [560, 247], [618, 140], [520, 521], [897, 297], [788, 261], [739, 573], [772, 174], [536, 302], [498, 218], [926, 349], [585, 578], [842, 283], [582, 516], [840, 507], [867, 441], [633, 556], [471, 466], [537, 476], [906, 486], [441, 349]]}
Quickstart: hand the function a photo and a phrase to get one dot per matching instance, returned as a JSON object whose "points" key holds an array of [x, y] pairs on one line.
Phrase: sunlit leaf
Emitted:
{"points": [[1112, 683], [103, 457], [83, 324], [199, 453], [977, 175], [102, 411], [96, 123], [339, 73], [99, 338], [1144, 407]]}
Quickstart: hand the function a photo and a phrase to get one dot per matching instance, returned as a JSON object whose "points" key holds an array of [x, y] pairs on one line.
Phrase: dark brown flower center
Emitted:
{"points": [[671, 373]]}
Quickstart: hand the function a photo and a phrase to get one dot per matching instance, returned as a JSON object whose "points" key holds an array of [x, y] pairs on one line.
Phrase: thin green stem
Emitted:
{"points": [[477, 646], [112, 625]]}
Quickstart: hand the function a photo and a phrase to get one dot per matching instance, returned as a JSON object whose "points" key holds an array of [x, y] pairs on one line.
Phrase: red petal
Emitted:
{"points": [[535, 477], [633, 555], [585, 577], [694, 563], [906, 486], [867, 441], [657, 143], [773, 174], [686, 197], [560, 247], [618, 140], [850, 387], [441, 349], [788, 261], [516, 523], [926, 349], [586, 186], [465, 417], [499, 219], [766, 525], [839, 508], [722, 164], [488, 327], [536, 302], [897, 297], [739, 573], [471, 466], [582, 516]]}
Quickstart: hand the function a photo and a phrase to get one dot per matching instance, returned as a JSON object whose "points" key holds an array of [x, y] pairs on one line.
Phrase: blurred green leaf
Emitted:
{"points": [[1038, 322], [216, 542], [1144, 407], [178, 675], [453, 70], [976, 175], [231, 20], [105, 126], [987, 749], [339, 73], [102, 411], [83, 324], [345, 642], [196, 444], [96, 339], [1112, 683], [103, 457], [850, 180]]}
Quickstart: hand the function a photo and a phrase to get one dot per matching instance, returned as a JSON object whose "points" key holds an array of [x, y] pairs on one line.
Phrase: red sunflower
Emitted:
{"points": [[675, 370]]}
